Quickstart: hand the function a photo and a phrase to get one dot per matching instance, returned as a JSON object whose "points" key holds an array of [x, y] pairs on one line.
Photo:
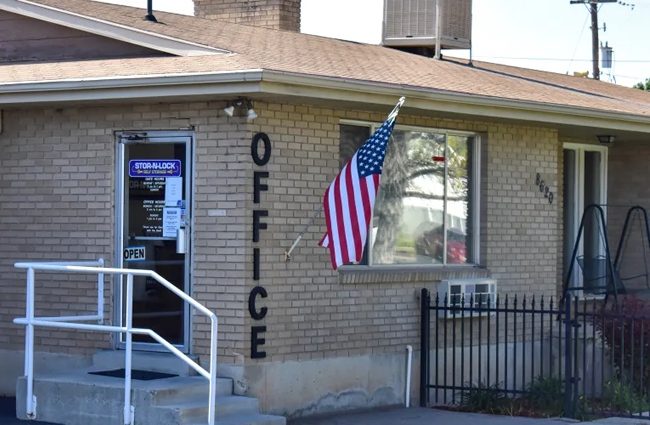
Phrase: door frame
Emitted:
{"points": [[189, 138], [579, 190]]}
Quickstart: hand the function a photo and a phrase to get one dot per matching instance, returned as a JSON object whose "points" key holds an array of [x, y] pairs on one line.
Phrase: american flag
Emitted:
{"points": [[350, 198]]}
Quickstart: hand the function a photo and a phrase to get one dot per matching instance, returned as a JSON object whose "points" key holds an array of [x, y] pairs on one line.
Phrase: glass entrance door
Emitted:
{"points": [[154, 233], [585, 183]]}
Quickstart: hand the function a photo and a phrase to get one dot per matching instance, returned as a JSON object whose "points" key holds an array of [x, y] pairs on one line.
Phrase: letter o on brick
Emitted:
{"points": [[255, 149]]}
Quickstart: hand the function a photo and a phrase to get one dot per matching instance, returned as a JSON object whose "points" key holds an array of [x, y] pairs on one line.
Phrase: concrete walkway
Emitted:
{"points": [[418, 416], [8, 413], [621, 421], [395, 416]]}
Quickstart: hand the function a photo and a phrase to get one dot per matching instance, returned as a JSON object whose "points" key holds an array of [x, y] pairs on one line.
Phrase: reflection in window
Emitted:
{"points": [[423, 212]]}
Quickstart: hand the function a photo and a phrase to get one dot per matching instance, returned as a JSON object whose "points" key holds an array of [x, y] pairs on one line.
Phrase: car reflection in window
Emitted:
{"points": [[430, 243]]}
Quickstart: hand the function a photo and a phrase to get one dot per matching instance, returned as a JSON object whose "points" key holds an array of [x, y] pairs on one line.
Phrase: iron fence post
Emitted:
{"points": [[568, 387], [425, 306]]}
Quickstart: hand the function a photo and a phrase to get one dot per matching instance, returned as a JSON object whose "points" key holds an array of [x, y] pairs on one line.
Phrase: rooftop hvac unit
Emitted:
{"points": [[412, 23]]}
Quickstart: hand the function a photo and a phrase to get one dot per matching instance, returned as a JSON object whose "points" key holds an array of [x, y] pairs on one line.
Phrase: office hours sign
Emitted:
{"points": [[155, 197]]}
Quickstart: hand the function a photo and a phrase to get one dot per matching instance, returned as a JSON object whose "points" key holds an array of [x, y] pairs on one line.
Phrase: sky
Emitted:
{"points": [[550, 35]]}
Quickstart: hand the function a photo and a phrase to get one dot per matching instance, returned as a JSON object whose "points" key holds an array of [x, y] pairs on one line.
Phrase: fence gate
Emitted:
{"points": [[531, 356]]}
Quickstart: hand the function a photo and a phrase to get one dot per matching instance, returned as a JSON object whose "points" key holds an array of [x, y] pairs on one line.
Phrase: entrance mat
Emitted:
{"points": [[139, 375]]}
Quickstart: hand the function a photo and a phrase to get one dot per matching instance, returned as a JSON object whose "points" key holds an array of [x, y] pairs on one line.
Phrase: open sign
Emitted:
{"points": [[134, 253]]}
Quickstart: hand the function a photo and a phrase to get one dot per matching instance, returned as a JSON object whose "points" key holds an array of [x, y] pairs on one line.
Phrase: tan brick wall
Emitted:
{"points": [[314, 313], [67, 205], [275, 14], [629, 167], [57, 192], [522, 226]]}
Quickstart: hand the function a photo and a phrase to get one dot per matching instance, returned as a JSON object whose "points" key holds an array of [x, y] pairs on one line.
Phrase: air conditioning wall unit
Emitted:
{"points": [[412, 23], [466, 298]]}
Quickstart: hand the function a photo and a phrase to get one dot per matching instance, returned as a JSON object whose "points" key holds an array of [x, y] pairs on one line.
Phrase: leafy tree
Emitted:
{"points": [[409, 157], [643, 86]]}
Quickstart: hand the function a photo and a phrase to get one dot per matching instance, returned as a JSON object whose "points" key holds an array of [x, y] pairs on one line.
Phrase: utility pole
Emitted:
{"points": [[594, 30], [594, 39]]}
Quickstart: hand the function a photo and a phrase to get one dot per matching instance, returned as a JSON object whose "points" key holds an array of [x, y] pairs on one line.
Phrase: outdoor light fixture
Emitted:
{"points": [[606, 140], [251, 112], [230, 109]]}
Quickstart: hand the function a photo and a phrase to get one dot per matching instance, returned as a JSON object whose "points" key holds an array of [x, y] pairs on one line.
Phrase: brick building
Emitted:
{"points": [[98, 89]]}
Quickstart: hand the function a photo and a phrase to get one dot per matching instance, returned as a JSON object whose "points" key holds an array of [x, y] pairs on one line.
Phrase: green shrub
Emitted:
{"points": [[626, 333], [547, 394], [483, 398], [620, 396]]}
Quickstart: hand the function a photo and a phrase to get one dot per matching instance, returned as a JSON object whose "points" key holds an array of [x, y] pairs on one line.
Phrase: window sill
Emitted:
{"points": [[592, 297], [388, 274]]}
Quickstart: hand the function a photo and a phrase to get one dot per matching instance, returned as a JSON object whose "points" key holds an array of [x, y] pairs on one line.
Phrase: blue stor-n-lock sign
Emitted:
{"points": [[154, 168]]}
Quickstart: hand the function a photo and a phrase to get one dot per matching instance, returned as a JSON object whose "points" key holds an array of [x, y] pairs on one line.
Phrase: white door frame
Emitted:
{"points": [[579, 190], [155, 137]]}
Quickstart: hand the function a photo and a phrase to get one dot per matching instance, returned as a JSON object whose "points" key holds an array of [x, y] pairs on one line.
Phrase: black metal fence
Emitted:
{"points": [[535, 356]]}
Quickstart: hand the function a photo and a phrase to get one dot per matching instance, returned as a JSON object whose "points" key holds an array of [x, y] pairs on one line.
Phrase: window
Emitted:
{"points": [[426, 212]]}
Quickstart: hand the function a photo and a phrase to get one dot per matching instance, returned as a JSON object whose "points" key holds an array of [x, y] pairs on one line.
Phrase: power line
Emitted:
{"points": [[578, 43], [559, 59], [631, 78]]}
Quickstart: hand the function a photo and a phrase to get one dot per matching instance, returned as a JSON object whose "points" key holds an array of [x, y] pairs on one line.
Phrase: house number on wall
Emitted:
{"points": [[544, 189]]}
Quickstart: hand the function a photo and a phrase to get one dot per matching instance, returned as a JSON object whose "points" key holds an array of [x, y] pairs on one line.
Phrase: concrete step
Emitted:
{"points": [[143, 360], [195, 408], [189, 386], [82, 399], [256, 419]]}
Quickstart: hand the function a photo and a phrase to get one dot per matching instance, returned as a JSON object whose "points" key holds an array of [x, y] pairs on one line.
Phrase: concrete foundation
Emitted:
{"points": [[12, 366], [298, 389], [305, 388]]}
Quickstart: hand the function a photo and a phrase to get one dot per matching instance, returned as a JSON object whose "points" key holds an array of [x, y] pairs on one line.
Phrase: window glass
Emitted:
{"points": [[352, 138], [410, 202], [423, 211], [459, 238]]}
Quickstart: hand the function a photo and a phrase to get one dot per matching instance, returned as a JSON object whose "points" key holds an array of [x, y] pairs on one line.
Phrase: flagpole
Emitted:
{"points": [[395, 111], [287, 254]]}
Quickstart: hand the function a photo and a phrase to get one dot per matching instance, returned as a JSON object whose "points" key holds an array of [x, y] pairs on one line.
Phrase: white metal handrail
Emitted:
{"points": [[96, 267]]}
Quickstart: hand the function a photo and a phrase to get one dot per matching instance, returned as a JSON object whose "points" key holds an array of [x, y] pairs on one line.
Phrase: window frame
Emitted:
{"points": [[474, 199]]}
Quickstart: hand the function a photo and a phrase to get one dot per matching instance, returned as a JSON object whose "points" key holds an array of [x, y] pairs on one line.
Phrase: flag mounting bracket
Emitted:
{"points": [[287, 254]]}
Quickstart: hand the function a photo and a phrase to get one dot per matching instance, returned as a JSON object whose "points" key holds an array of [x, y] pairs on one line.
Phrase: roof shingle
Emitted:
{"points": [[268, 49]]}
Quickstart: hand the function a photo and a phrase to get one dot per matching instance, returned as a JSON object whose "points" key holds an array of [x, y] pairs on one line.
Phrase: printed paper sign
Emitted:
{"points": [[173, 191], [155, 168], [134, 253], [171, 222]]}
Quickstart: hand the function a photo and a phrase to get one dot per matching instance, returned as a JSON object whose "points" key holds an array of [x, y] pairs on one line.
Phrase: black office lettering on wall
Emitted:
{"points": [[258, 188], [256, 264], [255, 149], [252, 309], [257, 224], [256, 341]]}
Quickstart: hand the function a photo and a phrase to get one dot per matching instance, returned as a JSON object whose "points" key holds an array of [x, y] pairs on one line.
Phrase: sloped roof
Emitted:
{"points": [[266, 49]]}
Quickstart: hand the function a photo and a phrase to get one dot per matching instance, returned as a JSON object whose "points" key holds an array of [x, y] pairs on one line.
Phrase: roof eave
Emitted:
{"points": [[140, 87], [450, 102], [253, 81]]}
